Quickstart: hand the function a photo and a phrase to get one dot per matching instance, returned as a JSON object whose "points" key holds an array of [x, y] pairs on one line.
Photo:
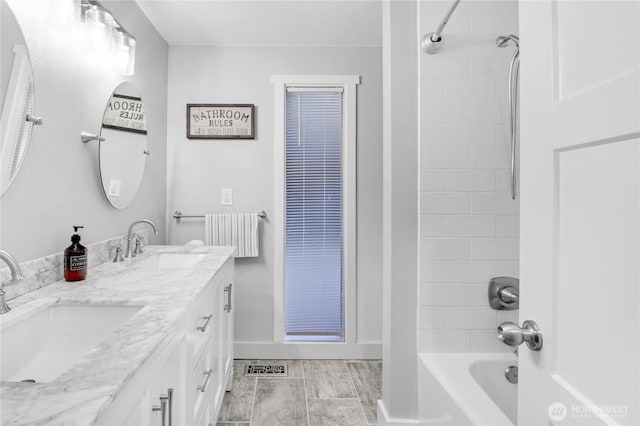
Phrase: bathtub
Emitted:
{"points": [[467, 389]]}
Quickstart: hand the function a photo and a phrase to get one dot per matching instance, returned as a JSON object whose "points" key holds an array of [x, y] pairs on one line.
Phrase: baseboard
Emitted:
{"points": [[307, 350], [385, 420]]}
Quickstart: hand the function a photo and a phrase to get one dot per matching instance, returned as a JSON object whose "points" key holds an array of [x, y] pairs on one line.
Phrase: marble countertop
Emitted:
{"points": [[80, 394]]}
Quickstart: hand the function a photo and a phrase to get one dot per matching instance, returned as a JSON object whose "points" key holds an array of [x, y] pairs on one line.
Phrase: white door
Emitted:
{"points": [[580, 211]]}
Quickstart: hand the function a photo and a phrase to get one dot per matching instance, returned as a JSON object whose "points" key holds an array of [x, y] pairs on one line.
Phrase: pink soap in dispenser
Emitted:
{"points": [[75, 259]]}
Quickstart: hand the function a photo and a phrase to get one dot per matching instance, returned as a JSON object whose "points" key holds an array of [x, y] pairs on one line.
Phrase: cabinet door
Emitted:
{"points": [[132, 409], [157, 391], [205, 384], [167, 392]]}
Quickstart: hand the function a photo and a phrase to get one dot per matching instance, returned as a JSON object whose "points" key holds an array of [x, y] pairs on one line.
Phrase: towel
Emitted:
{"points": [[235, 229]]}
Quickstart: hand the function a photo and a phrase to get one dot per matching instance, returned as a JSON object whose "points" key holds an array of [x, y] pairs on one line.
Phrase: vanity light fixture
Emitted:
{"points": [[108, 34], [88, 137]]}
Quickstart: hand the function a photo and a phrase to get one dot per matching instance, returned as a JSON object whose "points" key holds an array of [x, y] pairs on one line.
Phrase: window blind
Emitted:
{"points": [[313, 272]]}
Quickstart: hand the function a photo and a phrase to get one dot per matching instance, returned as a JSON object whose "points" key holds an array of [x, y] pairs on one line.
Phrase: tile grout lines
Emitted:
{"points": [[353, 383], [253, 402], [306, 398], [352, 377], [357, 393]]}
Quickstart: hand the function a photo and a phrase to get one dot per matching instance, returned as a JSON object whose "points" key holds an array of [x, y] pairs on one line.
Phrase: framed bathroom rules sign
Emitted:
{"points": [[220, 121]]}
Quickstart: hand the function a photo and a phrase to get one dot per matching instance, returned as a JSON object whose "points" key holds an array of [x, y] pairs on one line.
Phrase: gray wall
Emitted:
{"points": [[198, 169], [59, 183]]}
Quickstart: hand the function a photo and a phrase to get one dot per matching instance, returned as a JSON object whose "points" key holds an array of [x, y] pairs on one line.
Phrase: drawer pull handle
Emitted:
{"points": [[162, 408], [170, 401], [203, 387], [206, 323], [227, 307]]}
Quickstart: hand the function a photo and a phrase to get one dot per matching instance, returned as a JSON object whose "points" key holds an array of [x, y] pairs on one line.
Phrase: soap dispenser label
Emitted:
{"points": [[77, 263]]}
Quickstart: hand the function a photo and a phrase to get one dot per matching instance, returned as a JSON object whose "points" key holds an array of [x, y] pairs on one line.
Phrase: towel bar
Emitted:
{"points": [[178, 215]]}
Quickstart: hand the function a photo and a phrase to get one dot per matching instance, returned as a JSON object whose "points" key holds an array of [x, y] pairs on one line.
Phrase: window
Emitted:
{"points": [[313, 279], [316, 179]]}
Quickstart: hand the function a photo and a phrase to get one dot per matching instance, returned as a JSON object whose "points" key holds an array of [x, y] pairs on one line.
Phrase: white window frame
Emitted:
{"points": [[348, 84]]}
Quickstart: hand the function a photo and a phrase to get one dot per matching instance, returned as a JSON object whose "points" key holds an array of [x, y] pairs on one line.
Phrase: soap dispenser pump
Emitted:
{"points": [[75, 259]]}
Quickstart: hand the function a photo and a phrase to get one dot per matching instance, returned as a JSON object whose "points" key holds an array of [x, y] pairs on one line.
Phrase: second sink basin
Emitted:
{"points": [[171, 261], [44, 345], [144, 272]]}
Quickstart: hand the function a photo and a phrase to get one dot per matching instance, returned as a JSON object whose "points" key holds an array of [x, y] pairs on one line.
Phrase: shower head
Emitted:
{"points": [[502, 41]]}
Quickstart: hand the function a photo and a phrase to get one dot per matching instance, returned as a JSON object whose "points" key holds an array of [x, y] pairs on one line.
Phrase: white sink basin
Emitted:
{"points": [[171, 261], [44, 345]]}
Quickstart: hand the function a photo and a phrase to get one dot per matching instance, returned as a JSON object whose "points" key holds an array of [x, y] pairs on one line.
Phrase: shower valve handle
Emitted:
{"points": [[513, 335]]}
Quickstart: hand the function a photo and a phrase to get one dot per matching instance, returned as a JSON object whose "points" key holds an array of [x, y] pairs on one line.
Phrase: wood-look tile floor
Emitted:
{"points": [[315, 393]]}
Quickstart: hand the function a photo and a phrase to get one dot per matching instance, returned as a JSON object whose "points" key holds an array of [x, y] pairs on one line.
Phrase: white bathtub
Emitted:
{"points": [[467, 389]]}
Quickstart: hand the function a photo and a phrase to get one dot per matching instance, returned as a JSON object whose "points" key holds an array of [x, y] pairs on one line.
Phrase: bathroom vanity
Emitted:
{"points": [[148, 341]]}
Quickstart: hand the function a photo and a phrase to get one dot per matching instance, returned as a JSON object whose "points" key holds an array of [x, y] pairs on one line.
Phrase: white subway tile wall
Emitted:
{"points": [[445, 203], [469, 180], [431, 180], [469, 225], [431, 226], [469, 135], [445, 112], [445, 157], [432, 135]]}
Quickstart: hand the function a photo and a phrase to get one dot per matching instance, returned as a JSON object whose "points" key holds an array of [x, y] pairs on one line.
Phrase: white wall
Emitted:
{"points": [[400, 235], [198, 169], [59, 183], [468, 222]]}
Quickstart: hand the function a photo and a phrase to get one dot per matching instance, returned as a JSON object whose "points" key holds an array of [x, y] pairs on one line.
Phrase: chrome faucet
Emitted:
{"points": [[129, 253], [16, 277]]}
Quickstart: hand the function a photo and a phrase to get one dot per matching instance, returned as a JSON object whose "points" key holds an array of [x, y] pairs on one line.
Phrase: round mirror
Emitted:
{"points": [[123, 152], [17, 97]]}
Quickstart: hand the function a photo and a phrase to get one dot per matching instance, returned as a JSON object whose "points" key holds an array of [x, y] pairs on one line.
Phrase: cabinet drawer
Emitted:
{"points": [[203, 322], [205, 380]]}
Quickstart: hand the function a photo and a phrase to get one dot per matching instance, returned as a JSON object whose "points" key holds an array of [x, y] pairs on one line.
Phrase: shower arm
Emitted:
{"points": [[431, 42]]}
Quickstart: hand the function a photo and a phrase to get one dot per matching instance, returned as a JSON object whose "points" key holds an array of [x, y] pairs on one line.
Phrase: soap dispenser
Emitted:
{"points": [[75, 259]]}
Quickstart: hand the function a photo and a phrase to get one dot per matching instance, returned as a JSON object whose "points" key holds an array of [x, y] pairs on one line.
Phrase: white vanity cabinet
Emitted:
{"points": [[167, 387], [156, 394], [184, 381]]}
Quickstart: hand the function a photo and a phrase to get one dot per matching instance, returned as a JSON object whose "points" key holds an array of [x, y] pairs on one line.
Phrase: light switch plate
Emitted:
{"points": [[114, 187], [226, 197]]}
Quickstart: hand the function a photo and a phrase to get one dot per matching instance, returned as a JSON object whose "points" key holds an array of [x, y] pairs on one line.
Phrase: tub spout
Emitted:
{"points": [[511, 374]]}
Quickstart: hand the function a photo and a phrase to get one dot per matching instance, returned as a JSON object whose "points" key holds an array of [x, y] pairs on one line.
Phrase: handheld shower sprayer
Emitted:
{"points": [[502, 41], [514, 70]]}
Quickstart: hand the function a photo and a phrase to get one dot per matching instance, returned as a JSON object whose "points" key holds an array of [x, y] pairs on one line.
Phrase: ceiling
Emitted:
{"points": [[267, 22]]}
